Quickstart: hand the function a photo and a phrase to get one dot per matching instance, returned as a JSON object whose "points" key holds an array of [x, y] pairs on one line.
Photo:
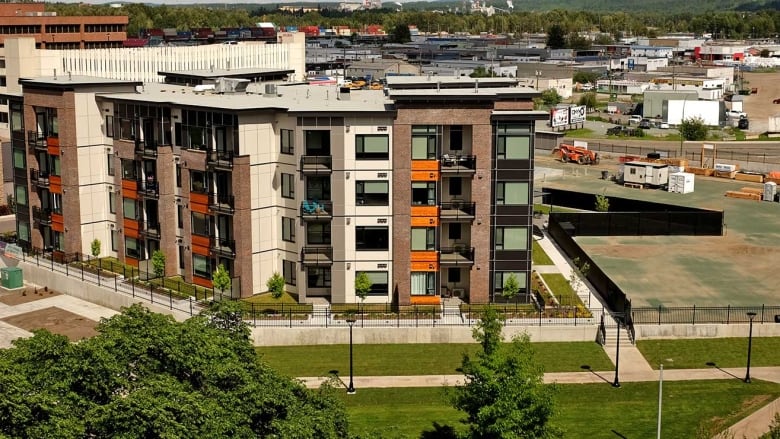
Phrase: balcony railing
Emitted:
{"points": [[37, 140], [38, 178], [221, 203], [223, 247], [220, 159], [458, 211], [316, 210], [316, 164], [148, 188], [317, 255], [150, 229], [41, 216], [458, 164], [146, 149], [456, 255]]}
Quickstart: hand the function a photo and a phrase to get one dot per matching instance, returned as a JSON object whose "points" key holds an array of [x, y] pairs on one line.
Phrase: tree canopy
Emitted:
{"points": [[146, 375]]}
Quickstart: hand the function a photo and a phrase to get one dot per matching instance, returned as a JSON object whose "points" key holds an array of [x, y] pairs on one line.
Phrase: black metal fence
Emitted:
{"points": [[693, 315], [641, 223]]}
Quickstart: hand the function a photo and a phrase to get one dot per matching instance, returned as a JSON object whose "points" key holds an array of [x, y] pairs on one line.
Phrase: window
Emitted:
{"points": [[288, 186], [456, 186], [512, 193], [423, 238], [56, 202], [511, 238], [23, 231], [129, 208], [318, 188], [317, 142], [424, 193], [513, 142], [111, 202], [372, 193], [109, 126], [423, 283], [501, 277], [59, 241], [110, 163], [371, 238], [201, 266], [288, 229], [20, 159], [379, 282], [54, 165], [198, 181], [318, 233], [456, 138], [3, 117], [114, 240], [632, 171], [288, 142], [453, 275], [454, 232], [180, 216], [372, 147], [21, 195], [178, 175], [131, 248], [318, 277], [181, 256], [128, 169], [288, 271], [201, 224], [424, 139]]}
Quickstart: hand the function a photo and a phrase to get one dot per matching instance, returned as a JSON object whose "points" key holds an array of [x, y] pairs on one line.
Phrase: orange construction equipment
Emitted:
{"points": [[576, 154]]}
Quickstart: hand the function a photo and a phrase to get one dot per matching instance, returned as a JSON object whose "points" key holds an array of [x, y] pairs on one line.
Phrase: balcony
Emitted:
{"points": [[221, 203], [148, 189], [316, 164], [149, 229], [316, 210], [457, 211], [41, 216], [223, 247], [220, 159], [458, 164], [37, 140], [319, 255], [38, 178], [147, 150], [451, 256]]}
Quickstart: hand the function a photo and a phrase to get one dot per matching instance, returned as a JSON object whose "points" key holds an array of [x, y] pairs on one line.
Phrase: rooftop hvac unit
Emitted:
{"points": [[770, 189], [270, 90], [231, 85]]}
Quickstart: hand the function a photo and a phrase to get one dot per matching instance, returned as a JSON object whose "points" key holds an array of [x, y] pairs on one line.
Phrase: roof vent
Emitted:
{"points": [[270, 90]]}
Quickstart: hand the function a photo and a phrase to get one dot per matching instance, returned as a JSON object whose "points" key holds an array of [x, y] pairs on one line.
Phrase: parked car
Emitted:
{"points": [[663, 126], [634, 119], [620, 130], [743, 123], [645, 124], [735, 114]]}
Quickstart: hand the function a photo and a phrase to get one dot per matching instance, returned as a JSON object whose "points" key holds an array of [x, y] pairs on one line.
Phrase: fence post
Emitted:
{"points": [[416, 320], [254, 315], [115, 284], [52, 260], [728, 313], [151, 293], [170, 298], [659, 315], [762, 313], [132, 287], [398, 318], [693, 317], [540, 317], [290, 312], [575, 316], [66, 268], [362, 319]]}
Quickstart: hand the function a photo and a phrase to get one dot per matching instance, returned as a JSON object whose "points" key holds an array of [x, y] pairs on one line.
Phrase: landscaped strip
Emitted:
{"points": [[539, 256], [723, 352]]}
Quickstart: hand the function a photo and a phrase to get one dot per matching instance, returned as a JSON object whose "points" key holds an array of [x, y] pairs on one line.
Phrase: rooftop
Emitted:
{"points": [[430, 81], [226, 73], [69, 81]]}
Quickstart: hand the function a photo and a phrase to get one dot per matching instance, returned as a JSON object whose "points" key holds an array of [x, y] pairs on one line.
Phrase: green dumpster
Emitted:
{"points": [[11, 277]]}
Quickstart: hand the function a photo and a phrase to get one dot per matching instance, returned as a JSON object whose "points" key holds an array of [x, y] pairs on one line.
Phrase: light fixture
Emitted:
{"points": [[349, 265], [347, 175], [347, 128]]}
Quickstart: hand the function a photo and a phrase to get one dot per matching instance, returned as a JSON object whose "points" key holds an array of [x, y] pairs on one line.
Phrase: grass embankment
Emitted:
{"points": [[724, 352]]}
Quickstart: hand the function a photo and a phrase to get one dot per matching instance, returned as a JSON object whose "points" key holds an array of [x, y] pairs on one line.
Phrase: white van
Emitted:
{"points": [[635, 119]]}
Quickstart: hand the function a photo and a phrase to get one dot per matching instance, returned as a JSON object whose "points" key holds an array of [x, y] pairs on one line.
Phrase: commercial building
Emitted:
{"points": [[426, 189]]}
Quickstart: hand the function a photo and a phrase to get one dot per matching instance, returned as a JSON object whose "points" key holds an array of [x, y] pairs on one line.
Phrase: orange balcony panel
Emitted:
{"points": [[133, 262], [202, 282], [200, 245], [199, 202], [131, 228], [425, 266], [129, 189], [427, 211], [421, 221], [426, 300], [425, 165], [53, 141], [425, 175], [424, 256]]}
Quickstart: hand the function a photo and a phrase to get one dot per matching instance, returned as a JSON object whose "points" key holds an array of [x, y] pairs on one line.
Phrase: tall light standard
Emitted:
{"points": [[751, 315], [616, 381], [351, 387], [538, 74]]}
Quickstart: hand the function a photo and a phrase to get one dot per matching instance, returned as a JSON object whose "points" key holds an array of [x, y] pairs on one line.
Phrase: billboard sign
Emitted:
{"points": [[577, 114], [559, 117]]}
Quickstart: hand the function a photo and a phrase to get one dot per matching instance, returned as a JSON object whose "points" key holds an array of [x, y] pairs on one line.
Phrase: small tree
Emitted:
{"points": [[158, 263], [275, 285], [602, 203], [511, 287], [401, 34], [551, 98], [95, 247], [363, 285], [588, 100], [693, 128], [556, 37], [221, 279], [578, 274]]}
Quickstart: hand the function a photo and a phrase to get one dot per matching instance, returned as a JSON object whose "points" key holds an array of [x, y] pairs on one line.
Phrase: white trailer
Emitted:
{"points": [[709, 111], [645, 174], [681, 182]]}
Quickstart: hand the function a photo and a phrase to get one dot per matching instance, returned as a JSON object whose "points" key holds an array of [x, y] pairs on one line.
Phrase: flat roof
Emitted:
{"points": [[225, 73], [447, 81], [653, 164], [67, 81], [481, 93]]}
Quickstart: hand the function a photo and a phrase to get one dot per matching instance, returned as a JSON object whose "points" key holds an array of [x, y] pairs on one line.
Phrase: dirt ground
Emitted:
{"points": [[759, 106], [56, 320], [26, 296]]}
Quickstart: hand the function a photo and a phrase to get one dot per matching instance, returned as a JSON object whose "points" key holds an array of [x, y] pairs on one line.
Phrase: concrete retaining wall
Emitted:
{"points": [[448, 334], [647, 332]]}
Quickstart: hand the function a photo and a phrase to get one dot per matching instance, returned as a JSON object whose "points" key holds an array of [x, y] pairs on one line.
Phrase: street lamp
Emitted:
{"points": [[751, 315], [351, 387], [616, 381], [538, 74]]}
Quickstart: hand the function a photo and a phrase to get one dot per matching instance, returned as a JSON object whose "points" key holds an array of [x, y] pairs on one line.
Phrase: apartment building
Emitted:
{"points": [[426, 190]]}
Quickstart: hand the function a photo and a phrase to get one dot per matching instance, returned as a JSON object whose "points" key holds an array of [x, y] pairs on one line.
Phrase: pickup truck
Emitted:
{"points": [[735, 114]]}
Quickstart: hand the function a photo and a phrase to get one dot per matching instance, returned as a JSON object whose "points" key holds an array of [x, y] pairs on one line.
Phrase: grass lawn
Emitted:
{"points": [[724, 352], [585, 410], [539, 257], [417, 359], [562, 290]]}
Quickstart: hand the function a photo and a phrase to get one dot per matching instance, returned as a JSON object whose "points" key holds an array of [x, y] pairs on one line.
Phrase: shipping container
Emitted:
{"points": [[646, 174]]}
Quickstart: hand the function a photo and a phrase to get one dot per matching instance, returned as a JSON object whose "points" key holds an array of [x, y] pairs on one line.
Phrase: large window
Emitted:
{"points": [[371, 238], [289, 272], [318, 277], [513, 142], [201, 224], [288, 186], [500, 278], [132, 249], [288, 229], [423, 283], [512, 193], [318, 233], [423, 238], [372, 147], [109, 126], [20, 159], [198, 181], [21, 195], [111, 202], [23, 231], [424, 193], [372, 193], [511, 238], [379, 282], [456, 138], [110, 164], [424, 140], [54, 165], [287, 141], [318, 188], [317, 142], [129, 208], [128, 169], [456, 186], [201, 266], [454, 231]]}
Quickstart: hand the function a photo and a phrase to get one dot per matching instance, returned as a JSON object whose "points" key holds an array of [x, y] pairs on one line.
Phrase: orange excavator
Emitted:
{"points": [[576, 154]]}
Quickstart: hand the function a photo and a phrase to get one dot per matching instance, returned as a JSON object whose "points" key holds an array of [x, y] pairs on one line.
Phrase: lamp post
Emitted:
{"points": [[351, 387], [751, 315], [538, 74], [616, 381]]}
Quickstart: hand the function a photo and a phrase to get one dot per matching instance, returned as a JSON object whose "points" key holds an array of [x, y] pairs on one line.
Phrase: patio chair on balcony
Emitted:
{"points": [[448, 160], [309, 208]]}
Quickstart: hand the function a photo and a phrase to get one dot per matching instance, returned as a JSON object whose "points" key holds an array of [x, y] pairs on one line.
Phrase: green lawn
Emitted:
{"points": [[562, 290], [417, 359], [724, 352], [584, 410], [539, 257]]}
